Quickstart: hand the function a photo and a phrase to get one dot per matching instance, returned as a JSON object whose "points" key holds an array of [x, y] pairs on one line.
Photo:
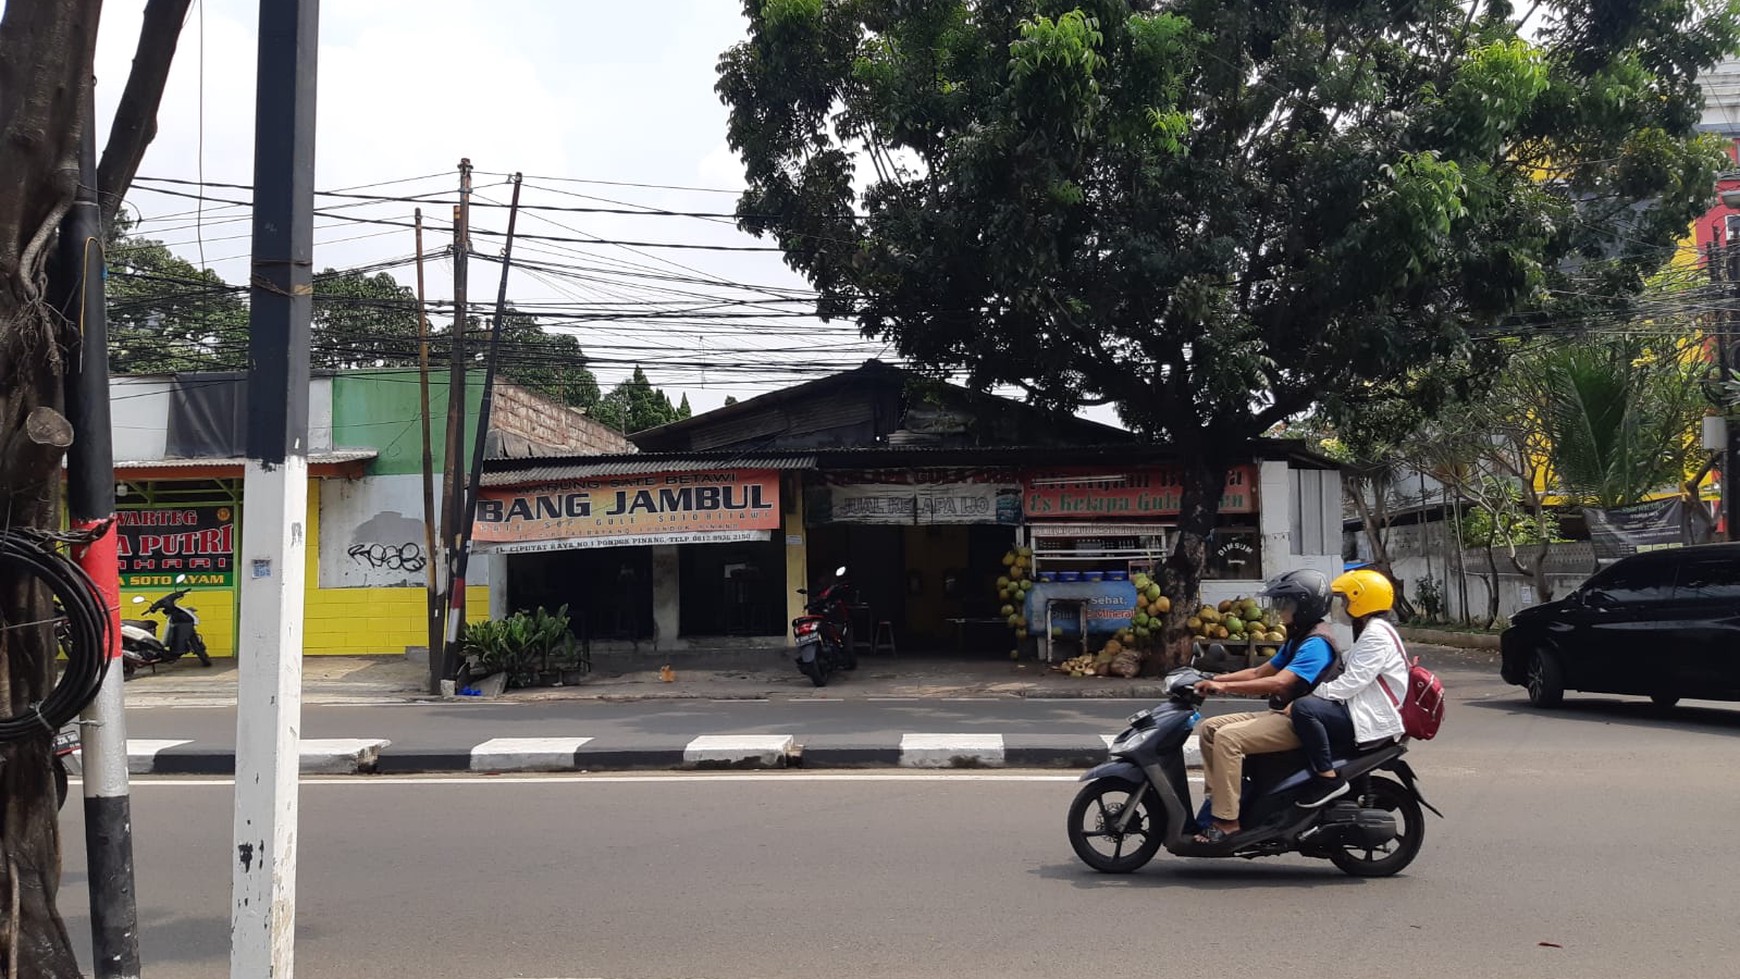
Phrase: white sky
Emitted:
{"points": [[552, 88]]}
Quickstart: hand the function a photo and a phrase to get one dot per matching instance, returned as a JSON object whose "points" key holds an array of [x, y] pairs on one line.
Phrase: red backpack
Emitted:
{"points": [[1423, 708]]}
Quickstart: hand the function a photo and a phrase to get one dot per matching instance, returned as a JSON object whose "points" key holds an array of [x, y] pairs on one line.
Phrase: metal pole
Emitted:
{"points": [[432, 616], [90, 497], [442, 663], [275, 491], [462, 558]]}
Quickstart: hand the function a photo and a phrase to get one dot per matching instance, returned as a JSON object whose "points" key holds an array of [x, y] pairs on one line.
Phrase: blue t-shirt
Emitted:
{"points": [[1306, 659]]}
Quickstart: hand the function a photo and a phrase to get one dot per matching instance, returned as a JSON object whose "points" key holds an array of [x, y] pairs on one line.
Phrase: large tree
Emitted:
{"points": [[46, 51], [1215, 213]]}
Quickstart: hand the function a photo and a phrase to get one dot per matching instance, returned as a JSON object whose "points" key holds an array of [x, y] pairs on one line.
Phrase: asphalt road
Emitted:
{"points": [[1589, 842]]}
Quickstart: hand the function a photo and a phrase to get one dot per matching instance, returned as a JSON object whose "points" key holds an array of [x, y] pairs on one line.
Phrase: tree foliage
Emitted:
{"points": [[1217, 213], [635, 405]]}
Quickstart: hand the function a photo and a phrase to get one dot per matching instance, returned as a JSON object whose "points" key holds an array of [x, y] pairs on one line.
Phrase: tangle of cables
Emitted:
{"points": [[79, 624]]}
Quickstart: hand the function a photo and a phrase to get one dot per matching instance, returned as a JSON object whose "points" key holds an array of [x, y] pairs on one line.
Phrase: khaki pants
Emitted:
{"points": [[1226, 740]]}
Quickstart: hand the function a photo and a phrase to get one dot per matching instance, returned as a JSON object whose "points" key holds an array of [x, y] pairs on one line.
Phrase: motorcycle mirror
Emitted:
{"points": [[840, 572], [138, 600], [180, 578]]}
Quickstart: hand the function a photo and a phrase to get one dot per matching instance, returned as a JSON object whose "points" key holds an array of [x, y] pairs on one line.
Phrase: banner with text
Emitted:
{"points": [[1624, 531], [926, 503], [1148, 492], [669, 508], [157, 545]]}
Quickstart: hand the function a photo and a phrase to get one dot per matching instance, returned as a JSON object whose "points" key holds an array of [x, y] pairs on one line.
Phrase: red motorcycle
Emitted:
{"points": [[824, 632]]}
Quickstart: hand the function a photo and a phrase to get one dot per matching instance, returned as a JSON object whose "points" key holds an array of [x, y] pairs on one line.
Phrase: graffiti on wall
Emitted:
{"points": [[390, 557]]}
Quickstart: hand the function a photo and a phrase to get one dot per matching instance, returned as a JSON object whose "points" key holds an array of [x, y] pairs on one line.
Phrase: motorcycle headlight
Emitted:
{"points": [[1131, 739]]}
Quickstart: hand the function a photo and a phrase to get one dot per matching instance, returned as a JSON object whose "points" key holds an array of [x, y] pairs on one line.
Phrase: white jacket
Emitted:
{"points": [[1378, 654]]}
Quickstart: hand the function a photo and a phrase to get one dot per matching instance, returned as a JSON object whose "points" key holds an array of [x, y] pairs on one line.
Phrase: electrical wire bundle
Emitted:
{"points": [[81, 627]]}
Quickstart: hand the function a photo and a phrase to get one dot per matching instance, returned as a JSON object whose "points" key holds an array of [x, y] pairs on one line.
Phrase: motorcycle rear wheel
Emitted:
{"points": [[1392, 797], [1094, 813]]}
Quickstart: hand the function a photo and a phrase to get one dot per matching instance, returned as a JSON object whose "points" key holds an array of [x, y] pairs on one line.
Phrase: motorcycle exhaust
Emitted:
{"points": [[1350, 825]]}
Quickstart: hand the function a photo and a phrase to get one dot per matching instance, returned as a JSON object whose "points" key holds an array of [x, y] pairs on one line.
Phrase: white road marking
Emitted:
{"points": [[770, 777]]}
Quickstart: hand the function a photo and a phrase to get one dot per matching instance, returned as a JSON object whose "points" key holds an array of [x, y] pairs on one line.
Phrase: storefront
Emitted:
{"points": [[638, 554], [921, 545]]}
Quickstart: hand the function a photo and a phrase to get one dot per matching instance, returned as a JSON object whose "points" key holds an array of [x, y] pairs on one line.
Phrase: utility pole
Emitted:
{"points": [[275, 494], [441, 662], [432, 615], [90, 497], [468, 514], [1717, 258]]}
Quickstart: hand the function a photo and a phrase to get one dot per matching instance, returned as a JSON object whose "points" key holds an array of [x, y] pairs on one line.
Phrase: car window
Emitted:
{"points": [[1709, 578], [1629, 582]]}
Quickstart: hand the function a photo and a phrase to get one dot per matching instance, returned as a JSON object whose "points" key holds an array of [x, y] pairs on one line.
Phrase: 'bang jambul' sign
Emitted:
{"points": [[667, 508]]}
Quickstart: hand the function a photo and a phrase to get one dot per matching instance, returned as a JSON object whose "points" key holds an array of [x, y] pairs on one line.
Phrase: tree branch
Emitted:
{"points": [[136, 116]]}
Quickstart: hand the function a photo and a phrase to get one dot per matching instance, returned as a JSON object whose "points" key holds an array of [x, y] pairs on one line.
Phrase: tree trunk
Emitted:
{"points": [[46, 51], [1204, 481], [1492, 578]]}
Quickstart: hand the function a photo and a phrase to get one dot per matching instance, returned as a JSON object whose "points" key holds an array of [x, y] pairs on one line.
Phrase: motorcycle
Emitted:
{"points": [[140, 645], [66, 741], [824, 633], [1139, 800]]}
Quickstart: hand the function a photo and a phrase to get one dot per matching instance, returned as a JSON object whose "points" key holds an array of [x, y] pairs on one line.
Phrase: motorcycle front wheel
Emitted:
{"points": [[198, 646], [1093, 821], [60, 783]]}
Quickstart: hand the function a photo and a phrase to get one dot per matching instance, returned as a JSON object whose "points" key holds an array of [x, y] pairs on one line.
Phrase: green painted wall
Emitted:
{"points": [[380, 410]]}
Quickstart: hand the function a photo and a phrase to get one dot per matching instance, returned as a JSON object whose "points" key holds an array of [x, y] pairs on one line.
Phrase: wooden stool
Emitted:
{"points": [[885, 628]]}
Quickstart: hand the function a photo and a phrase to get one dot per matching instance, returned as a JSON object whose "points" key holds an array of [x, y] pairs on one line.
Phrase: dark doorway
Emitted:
{"points": [[735, 589], [608, 590]]}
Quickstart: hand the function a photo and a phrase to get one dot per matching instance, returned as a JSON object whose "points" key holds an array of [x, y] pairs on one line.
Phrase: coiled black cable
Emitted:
{"points": [[81, 626]]}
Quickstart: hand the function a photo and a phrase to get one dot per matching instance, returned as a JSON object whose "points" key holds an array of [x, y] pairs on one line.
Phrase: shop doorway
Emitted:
{"points": [[936, 584], [608, 590], [734, 589]]}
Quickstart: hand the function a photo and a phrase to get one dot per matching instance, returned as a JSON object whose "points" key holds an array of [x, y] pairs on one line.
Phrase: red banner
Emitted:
{"points": [[1152, 492]]}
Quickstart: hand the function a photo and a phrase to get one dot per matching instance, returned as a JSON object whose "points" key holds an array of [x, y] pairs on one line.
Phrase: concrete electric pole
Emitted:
{"points": [[275, 497]]}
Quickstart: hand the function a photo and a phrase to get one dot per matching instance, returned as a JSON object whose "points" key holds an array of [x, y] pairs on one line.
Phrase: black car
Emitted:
{"points": [[1662, 624]]}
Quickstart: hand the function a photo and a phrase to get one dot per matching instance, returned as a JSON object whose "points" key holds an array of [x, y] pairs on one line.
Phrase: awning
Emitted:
{"points": [[338, 464]]}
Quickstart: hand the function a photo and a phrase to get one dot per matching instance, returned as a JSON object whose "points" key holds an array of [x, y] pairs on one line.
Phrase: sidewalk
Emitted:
{"points": [[357, 680]]}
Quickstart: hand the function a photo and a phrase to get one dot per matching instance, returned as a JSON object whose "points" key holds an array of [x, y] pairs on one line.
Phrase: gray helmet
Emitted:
{"points": [[1307, 590]]}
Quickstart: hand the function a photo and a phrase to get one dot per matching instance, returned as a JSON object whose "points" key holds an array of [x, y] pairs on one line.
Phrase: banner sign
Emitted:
{"points": [[645, 540], [1149, 492], [154, 546], [1628, 530], [614, 511], [926, 504]]}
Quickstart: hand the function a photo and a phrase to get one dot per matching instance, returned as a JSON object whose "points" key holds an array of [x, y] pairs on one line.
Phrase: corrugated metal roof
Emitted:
{"points": [[314, 459], [631, 466]]}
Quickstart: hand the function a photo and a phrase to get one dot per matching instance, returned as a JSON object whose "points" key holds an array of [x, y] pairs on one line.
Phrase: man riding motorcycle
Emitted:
{"points": [[1302, 600]]}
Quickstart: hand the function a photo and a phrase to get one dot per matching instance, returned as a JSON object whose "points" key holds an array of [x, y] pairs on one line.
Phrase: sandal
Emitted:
{"points": [[1215, 835]]}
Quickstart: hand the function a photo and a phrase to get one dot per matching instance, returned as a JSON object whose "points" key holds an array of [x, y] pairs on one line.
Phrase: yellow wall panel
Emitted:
{"points": [[336, 621]]}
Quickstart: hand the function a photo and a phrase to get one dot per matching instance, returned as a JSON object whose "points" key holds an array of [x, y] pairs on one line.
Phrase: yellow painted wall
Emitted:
{"points": [[336, 621], [352, 621]]}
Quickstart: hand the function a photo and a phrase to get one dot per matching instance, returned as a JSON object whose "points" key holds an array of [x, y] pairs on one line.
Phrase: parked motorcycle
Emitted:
{"points": [[824, 632], [66, 741], [1139, 800], [140, 645]]}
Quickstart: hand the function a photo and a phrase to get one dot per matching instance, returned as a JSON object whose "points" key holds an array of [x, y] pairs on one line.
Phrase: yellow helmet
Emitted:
{"points": [[1367, 592]]}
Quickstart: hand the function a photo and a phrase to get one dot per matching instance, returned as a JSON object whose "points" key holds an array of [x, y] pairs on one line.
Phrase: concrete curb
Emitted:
{"points": [[1460, 640], [370, 756]]}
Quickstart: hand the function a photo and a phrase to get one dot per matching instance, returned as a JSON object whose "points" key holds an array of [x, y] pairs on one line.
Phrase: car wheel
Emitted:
{"points": [[1664, 700], [1546, 680]]}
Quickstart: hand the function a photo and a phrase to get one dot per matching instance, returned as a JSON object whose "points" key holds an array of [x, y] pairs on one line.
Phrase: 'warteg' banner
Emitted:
{"points": [[157, 545]]}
